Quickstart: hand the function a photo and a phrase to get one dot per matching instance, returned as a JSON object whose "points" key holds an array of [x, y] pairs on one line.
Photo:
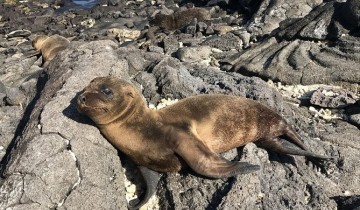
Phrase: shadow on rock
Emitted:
{"points": [[347, 202], [281, 158], [72, 113]]}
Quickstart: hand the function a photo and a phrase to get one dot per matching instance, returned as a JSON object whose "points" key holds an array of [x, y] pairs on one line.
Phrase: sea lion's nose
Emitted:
{"points": [[82, 99]]}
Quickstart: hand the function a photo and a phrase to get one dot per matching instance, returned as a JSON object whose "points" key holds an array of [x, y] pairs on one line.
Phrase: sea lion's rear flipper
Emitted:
{"points": [[294, 138], [207, 163], [151, 179], [286, 147]]}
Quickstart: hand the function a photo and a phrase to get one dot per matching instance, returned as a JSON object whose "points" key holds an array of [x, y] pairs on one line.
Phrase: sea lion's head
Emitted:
{"points": [[39, 41], [107, 99]]}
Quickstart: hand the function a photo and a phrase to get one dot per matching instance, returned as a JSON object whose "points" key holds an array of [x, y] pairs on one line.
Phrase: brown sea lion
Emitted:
{"points": [[48, 47], [189, 133], [179, 19]]}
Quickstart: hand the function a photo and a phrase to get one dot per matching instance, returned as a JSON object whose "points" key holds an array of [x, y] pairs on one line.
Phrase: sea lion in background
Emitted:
{"points": [[177, 20], [48, 47], [189, 133]]}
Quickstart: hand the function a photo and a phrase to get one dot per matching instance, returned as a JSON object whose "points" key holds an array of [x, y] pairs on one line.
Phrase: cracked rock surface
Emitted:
{"points": [[58, 165], [55, 158]]}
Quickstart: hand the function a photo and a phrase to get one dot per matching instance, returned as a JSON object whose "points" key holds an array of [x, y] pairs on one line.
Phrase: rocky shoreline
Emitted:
{"points": [[302, 59]]}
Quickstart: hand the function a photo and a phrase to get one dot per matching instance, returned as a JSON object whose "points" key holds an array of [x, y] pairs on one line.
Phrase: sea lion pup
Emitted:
{"points": [[189, 133], [49, 47], [180, 19], [177, 20]]}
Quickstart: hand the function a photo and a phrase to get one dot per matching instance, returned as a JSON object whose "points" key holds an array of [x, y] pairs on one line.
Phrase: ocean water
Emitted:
{"points": [[85, 3]]}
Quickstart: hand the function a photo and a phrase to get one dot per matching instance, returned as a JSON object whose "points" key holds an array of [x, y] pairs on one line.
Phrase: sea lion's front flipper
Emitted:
{"points": [[286, 147], [207, 163], [151, 179]]}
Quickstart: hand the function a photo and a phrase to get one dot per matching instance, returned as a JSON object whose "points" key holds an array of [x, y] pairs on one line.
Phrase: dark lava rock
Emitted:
{"points": [[18, 33], [194, 54], [2, 99], [301, 62], [327, 21], [170, 44], [312, 26], [9, 119], [348, 202], [219, 82], [217, 2], [209, 30], [174, 80], [225, 42], [156, 49], [353, 113], [354, 118], [191, 29], [350, 14], [201, 26], [149, 88], [115, 2], [2, 88], [244, 36], [269, 14], [14, 96], [332, 98]]}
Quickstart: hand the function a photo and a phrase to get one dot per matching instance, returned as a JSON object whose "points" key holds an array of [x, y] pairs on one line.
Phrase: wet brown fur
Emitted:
{"points": [[49, 47], [194, 129]]}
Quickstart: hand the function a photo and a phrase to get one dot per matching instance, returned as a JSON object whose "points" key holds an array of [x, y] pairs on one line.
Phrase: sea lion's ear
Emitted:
{"points": [[130, 94]]}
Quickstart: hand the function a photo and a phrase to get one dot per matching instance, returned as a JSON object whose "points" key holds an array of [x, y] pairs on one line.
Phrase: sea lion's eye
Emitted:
{"points": [[107, 91]]}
